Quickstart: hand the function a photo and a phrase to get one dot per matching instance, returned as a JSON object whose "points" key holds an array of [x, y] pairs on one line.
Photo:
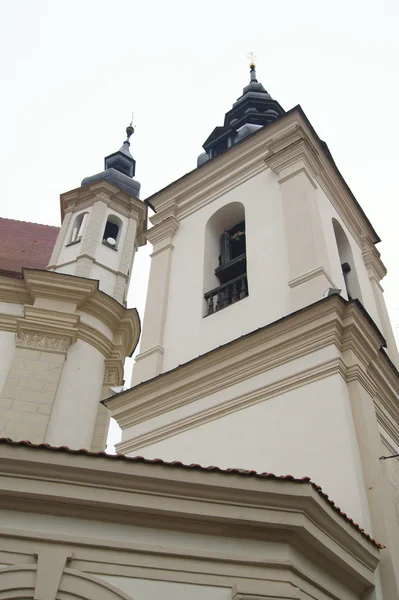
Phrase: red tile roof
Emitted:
{"points": [[178, 464], [26, 245]]}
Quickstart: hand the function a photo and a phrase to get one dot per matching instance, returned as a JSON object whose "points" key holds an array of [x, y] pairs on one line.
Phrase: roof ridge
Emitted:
{"points": [[29, 222], [178, 464]]}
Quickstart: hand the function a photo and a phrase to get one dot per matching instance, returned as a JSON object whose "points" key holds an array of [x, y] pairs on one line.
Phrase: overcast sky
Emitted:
{"points": [[73, 71]]}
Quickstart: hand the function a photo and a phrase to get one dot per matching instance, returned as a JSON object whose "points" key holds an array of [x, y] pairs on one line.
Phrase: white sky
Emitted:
{"points": [[72, 72]]}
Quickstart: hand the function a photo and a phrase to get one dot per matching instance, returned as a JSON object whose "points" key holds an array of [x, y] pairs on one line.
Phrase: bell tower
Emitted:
{"points": [[102, 225], [266, 342]]}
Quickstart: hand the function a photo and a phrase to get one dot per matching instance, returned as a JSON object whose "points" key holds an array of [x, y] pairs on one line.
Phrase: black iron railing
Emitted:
{"points": [[226, 294]]}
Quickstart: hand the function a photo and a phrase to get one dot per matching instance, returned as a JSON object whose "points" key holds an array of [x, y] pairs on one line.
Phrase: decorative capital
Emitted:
{"points": [[113, 374], [47, 343], [163, 231]]}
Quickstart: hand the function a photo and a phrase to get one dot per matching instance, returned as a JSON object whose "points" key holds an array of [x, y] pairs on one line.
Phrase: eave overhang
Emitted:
{"points": [[212, 178], [235, 503]]}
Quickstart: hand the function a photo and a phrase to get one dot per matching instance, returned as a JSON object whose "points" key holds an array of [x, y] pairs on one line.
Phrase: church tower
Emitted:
{"points": [[98, 237], [66, 330], [266, 341]]}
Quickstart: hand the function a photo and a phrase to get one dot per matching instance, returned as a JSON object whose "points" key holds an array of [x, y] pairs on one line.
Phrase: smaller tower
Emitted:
{"points": [[103, 222]]}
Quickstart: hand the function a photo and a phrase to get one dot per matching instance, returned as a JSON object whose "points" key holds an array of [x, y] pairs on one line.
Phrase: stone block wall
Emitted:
{"points": [[28, 394]]}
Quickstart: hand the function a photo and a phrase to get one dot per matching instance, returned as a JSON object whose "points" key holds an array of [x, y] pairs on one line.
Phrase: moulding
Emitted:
{"points": [[310, 275], [331, 321], [54, 330], [47, 330], [13, 291], [372, 259], [103, 191], [166, 247], [222, 409], [150, 352], [8, 322], [191, 500], [271, 590], [82, 293], [43, 342], [289, 135], [163, 231]]}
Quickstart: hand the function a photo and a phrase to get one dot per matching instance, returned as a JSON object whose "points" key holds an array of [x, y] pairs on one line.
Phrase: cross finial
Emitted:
{"points": [[130, 129], [252, 57]]}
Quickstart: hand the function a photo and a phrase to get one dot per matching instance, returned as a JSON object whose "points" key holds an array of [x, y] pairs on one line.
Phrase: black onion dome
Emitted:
{"points": [[254, 109], [120, 168]]}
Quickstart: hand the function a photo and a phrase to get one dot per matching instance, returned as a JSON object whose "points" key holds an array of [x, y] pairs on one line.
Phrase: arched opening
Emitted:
{"points": [[349, 274], [112, 231], [78, 228], [19, 582], [225, 258]]}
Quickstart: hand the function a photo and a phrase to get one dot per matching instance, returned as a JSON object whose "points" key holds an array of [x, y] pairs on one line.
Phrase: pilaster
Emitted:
{"points": [[297, 166], [42, 340], [149, 361], [376, 271]]}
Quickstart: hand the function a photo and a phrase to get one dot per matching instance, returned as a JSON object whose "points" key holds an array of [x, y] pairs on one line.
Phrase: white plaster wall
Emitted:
{"points": [[77, 398], [187, 333], [308, 431], [106, 279], [7, 348], [139, 589]]}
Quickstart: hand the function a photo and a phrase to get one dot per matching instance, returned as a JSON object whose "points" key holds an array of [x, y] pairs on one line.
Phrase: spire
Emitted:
{"points": [[120, 167], [252, 71], [122, 160], [254, 109]]}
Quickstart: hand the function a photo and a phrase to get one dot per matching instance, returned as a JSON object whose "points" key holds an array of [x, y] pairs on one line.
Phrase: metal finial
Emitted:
{"points": [[252, 57], [130, 129]]}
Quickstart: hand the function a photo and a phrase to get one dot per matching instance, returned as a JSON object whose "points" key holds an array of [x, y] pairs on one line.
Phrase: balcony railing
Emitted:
{"points": [[226, 294]]}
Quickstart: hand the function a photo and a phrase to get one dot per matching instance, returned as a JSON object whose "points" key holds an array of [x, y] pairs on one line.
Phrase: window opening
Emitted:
{"points": [[346, 268], [347, 262], [231, 271], [78, 228], [112, 232]]}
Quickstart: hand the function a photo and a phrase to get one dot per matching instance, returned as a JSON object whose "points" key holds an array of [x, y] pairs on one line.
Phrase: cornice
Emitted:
{"points": [[46, 330], [372, 259], [58, 286], [113, 197], [310, 275], [14, 291], [261, 394], [186, 499], [81, 293], [163, 231], [281, 144], [331, 321]]}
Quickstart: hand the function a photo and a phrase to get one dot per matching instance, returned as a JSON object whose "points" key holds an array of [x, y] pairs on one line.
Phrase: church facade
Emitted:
{"points": [[266, 348]]}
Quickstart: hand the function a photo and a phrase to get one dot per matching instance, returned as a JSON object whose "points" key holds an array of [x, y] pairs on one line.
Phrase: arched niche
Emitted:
{"points": [[19, 582], [347, 262], [225, 256]]}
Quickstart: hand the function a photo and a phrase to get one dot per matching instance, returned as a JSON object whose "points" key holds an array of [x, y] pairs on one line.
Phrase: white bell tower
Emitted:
{"points": [[102, 225], [266, 342]]}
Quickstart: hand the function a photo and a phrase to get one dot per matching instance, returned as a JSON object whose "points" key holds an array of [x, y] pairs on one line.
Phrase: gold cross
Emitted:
{"points": [[252, 57]]}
